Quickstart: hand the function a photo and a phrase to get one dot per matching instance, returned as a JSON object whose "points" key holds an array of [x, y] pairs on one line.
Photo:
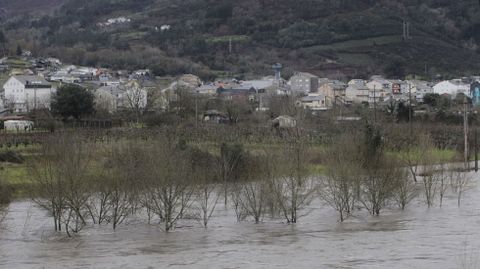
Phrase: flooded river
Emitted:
{"points": [[447, 237]]}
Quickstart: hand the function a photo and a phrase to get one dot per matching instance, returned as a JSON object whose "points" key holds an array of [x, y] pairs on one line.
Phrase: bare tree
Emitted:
{"points": [[207, 191], [169, 182], [293, 188], [414, 153], [75, 169], [136, 98], [98, 205], [442, 177], [254, 190], [228, 163], [60, 174], [430, 182], [339, 187], [235, 197], [125, 181], [380, 183], [379, 173], [405, 191], [459, 182]]}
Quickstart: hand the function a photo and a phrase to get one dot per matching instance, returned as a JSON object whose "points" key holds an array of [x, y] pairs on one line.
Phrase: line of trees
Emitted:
{"points": [[165, 181], [363, 174]]}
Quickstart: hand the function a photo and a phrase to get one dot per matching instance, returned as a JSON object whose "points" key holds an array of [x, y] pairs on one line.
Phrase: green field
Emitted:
{"points": [[16, 176]]}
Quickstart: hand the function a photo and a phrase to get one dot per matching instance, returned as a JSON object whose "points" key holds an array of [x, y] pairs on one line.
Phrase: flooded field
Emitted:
{"points": [[447, 237]]}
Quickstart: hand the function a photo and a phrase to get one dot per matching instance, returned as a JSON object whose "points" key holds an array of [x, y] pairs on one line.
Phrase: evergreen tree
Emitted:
{"points": [[73, 101]]}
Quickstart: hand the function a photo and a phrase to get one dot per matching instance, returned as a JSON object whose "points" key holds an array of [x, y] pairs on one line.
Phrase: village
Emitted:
{"points": [[30, 86]]}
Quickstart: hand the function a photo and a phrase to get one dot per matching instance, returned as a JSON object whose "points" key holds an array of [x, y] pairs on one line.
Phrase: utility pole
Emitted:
{"points": [[35, 98], [374, 104], [405, 30], [26, 103], [196, 110], [230, 46], [476, 151], [465, 131], [410, 108], [334, 103]]}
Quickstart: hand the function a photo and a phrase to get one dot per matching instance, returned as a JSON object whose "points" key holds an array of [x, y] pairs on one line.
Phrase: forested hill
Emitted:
{"points": [[327, 37]]}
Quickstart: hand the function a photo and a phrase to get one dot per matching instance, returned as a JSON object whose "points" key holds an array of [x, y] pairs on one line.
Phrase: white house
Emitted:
{"points": [[129, 96], [452, 87], [420, 88], [165, 27], [380, 89], [108, 98], [357, 91], [25, 93], [113, 21], [284, 121], [18, 125]]}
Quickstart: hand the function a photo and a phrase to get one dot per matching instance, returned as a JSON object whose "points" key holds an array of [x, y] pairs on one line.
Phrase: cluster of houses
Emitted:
{"points": [[117, 90], [25, 93], [32, 88], [114, 21], [322, 94]]}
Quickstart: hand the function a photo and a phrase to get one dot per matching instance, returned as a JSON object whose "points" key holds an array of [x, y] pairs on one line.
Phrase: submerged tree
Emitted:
{"points": [[406, 191], [459, 182], [293, 187], [382, 178], [414, 153], [168, 181], [228, 164], [430, 183], [60, 174], [207, 191], [339, 188], [254, 190]]}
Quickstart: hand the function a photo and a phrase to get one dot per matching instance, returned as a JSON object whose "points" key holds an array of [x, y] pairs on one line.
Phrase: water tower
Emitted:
{"points": [[278, 71]]}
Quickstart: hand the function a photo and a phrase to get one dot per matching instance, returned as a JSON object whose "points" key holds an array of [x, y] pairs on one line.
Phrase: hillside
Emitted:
{"points": [[12, 8], [327, 37]]}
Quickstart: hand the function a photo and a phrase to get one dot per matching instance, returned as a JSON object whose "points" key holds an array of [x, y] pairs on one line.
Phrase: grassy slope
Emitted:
{"points": [[366, 35], [11, 8]]}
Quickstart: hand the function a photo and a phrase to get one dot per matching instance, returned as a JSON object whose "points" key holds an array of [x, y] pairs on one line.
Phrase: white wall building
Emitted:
{"points": [[26, 93], [130, 96], [420, 88], [380, 89], [452, 87], [357, 91], [18, 125]]}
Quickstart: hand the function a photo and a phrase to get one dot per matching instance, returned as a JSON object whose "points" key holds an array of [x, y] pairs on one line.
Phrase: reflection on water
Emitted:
{"points": [[444, 237]]}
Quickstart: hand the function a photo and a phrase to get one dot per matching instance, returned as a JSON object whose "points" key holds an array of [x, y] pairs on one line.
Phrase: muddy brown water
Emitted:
{"points": [[447, 237]]}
